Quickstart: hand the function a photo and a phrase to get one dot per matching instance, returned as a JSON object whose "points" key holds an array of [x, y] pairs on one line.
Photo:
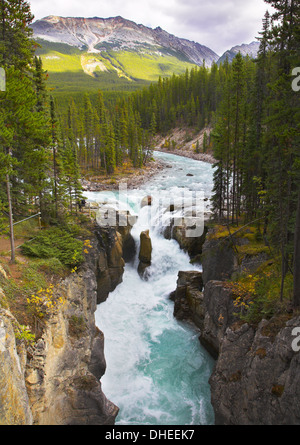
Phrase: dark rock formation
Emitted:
{"points": [[211, 311], [221, 259], [219, 310], [146, 201], [188, 298], [192, 245], [218, 260], [145, 253], [115, 246]]}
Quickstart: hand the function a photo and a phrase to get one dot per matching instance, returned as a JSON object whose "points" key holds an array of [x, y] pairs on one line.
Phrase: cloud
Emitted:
{"points": [[218, 24]]}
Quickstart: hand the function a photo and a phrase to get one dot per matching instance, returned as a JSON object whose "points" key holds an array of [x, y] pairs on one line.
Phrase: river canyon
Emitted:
{"points": [[157, 371]]}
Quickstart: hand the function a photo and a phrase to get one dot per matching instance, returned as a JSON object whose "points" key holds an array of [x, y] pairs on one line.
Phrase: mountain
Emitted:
{"points": [[250, 49], [97, 34], [111, 53]]}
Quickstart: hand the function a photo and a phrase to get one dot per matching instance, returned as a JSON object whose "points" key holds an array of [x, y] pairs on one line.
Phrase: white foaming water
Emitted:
{"points": [[157, 372]]}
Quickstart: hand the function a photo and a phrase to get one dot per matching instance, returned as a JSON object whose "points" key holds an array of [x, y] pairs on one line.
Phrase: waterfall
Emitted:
{"points": [[157, 371]]}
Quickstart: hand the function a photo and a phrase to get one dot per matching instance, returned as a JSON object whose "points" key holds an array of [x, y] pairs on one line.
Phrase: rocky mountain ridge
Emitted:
{"points": [[98, 34], [116, 33], [250, 49]]}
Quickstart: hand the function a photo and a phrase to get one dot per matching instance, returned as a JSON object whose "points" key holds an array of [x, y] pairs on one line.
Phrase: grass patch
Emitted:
{"points": [[247, 240], [73, 70], [26, 278], [28, 286], [77, 326], [257, 295]]}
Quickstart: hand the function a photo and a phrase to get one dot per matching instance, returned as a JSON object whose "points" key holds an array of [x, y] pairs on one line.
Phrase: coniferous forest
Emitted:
{"points": [[252, 106]]}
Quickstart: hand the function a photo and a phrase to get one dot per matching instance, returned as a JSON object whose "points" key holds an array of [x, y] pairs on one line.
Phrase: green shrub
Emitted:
{"points": [[77, 326], [55, 243]]}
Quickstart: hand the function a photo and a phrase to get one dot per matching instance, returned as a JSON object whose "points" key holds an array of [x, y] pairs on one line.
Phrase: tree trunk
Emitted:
{"points": [[296, 293], [11, 223]]}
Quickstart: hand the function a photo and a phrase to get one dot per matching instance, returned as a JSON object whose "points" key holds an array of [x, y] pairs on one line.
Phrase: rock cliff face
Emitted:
{"points": [[14, 403], [110, 262], [57, 382], [188, 298], [256, 378], [63, 372], [192, 245]]}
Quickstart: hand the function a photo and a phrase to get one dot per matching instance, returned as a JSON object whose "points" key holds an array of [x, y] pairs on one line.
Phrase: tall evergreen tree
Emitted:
{"points": [[16, 44], [23, 143]]}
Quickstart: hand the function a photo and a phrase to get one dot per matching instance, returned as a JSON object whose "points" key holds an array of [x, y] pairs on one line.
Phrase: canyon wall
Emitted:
{"points": [[256, 379], [58, 380]]}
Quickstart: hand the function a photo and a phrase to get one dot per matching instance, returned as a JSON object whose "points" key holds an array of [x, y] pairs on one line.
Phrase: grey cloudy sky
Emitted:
{"points": [[218, 24]]}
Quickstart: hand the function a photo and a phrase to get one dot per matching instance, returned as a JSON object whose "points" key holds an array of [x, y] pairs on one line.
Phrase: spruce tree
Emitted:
{"points": [[110, 150], [16, 44]]}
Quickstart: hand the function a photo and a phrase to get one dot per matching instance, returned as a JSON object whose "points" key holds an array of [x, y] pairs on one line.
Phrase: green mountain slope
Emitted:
{"points": [[73, 70]]}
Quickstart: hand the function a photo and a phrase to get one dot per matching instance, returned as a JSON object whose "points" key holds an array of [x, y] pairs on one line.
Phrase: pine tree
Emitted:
{"points": [[88, 116], [70, 171], [15, 49], [110, 150], [296, 268], [16, 45], [39, 80], [56, 161], [205, 142]]}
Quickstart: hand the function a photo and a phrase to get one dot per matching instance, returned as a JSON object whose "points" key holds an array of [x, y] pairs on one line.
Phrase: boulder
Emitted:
{"points": [[192, 245], [128, 243]]}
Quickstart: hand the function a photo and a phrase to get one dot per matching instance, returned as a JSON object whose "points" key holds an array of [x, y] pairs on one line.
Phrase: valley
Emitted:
{"points": [[115, 54], [149, 217]]}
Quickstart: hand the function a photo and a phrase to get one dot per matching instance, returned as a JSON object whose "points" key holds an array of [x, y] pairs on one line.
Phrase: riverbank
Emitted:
{"points": [[180, 142], [184, 142], [204, 157], [134, 178]]}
